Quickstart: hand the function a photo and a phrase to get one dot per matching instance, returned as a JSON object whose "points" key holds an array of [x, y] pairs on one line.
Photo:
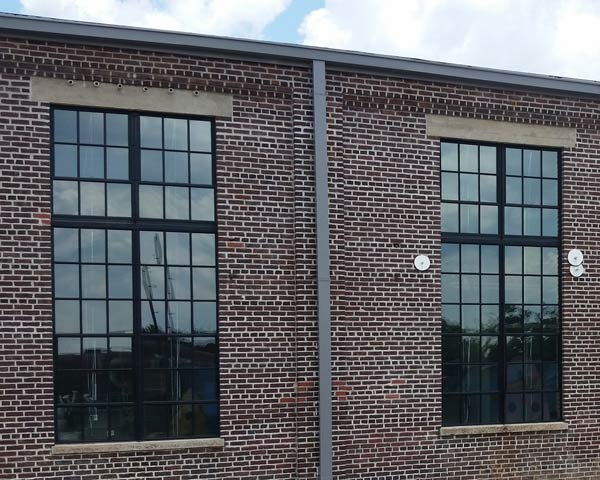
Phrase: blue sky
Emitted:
{"points": [[555, 37]]}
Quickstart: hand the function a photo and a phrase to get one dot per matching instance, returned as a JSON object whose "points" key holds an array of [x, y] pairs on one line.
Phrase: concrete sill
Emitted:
{"points": [[508, 428], [149, 446]]}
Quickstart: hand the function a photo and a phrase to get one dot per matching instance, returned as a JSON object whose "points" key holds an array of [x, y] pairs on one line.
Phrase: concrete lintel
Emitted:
{"points": [[442, 126], [129, 97], [508, 428], [116, 447]]}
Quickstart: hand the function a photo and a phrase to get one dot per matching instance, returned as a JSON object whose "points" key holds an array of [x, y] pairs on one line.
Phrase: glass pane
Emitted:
{"points": [[150, 132], [178, 248], [205, 384], [532, 348], [550, 380], [153, 317], [450, 257], [550, 318], [489, 378], [489, 259], [205, 285], [469, 258], [468, 158], [65, 160], [513, 260], [203, 207], [179, 317], [118, 199], [551, 406], [550, 261], [120, 352], [489, 219], [449, 186], [117, 163], [487, 159], [200, 136], [449, 156], [91, 162], [489, 351], [175, 134], [549, 222], [120, 316], [514, 349], [469, 218], [513, 161], [177, 203], [66, 245], [67, 387], [532, 221], [152, 250], [151, 166], [93, 281], [66, 316], [92, 198], [451, 378], [93, 316], [451, 409], [178, 283], [450, 288], [489, 318], [449, 217], [450, 319], [469, 288], [117, 129], [157, 421], [119, 246], [157, 385], [512, 221], [91, 127], [513, 318], [469, 187], [201, 168], [156, 351], [95, 353], [176, 167], [533, 407], [205, 318], [151, 201], [533, 290], [487, 188], [470, 318], [489, 288], [470, 373], [65, 197], [490, 409], [532, 318], [68, 352], [471, 413], [512, 289], [550, 164], [513, 190], [65, 126], [122, 423], [550, 290], [93, 246], [533, 376], [532, 190], [153, 282], [69, 424], [532, 163], [550, 192], [451, 349], [119, 281], [66, 281], [533, 260]]}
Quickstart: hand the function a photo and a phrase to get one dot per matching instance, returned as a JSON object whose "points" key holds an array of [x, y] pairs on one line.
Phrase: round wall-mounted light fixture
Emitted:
{"points": [[422, 262], [575, 257], [577, 270]]}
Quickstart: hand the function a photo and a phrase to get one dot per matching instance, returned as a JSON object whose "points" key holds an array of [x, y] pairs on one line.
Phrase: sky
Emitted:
{"points": [[554, 37]]}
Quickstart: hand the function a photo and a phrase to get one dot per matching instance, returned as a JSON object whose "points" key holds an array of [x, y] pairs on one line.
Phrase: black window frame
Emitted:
{"points": [[501, 241], [135, 224]]}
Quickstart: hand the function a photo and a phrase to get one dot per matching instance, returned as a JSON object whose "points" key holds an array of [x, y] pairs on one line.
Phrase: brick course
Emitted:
{"points": [[384, 208]]}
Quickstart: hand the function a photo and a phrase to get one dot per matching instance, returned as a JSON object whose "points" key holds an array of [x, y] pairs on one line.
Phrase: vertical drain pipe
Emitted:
{"points": [[323, 277]]}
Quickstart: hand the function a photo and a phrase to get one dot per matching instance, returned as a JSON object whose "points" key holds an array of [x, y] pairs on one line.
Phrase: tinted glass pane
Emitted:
{"points": [[119, 246], [470, 318], [450, 318], [533, 407], [550, 261], [487, 159], [66, 245], [91, 127], [551, 406], [65, 197], [91, 162], [489, 288], [469, 187], [489, 258], [178, 283], [179, 315], [489, 318], [513, 289], [120, 316], [69, 424], [532, 163], [201, 169], [118, 200], [157, 421], [451, 349], [204, 283], [451, 409], [512, 221], [549, 222], [450, 288], [469, 288], [513, 161], [200, 136], [533, 260], [469, 258], [469, 218], [203, 207], [66, 316], [66, 281], [550, 290], [513, 260], [151, 201], [487, 189], [153, 282], [117, 163], [176, 137], [550, 192], [92, 198], [450, 257], [550, 164], [119, 281], [152, 248], [68, 352], [533, 291], [93, 281], [449, 156], [65, 160], [532, 316], [489, 353], [150, 132], [513, 190], [532, 190], [205, 317], [489, 219], [449, 217], [93, 246], [176, 167], [513, 318], [93, 316], [65, 126], [490, 409], [468, 158], [177, 203], [449, 186], [178, 248], [151, 166], [153, 317], [116, 129], [471, 413], [532, 221], [122, 423], [95, 353]]}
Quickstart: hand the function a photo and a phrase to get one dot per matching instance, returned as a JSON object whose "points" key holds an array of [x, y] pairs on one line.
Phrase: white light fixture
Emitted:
{"points": [[575, 257], [577, 270], [422, 263]]}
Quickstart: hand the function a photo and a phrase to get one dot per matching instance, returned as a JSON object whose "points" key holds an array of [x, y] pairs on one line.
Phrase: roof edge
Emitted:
{"points": [[122, 36]]}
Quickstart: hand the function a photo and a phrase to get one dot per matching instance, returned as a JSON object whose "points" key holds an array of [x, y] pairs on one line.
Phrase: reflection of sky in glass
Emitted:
{"points": [[202, 204]]}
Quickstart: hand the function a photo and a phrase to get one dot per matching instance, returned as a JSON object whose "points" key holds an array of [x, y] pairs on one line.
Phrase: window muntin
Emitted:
{"points": [[135, 300], [500, 294]]}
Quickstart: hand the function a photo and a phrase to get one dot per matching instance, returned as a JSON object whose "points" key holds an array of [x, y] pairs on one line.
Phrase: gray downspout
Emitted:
{"points": [[323, 279]]}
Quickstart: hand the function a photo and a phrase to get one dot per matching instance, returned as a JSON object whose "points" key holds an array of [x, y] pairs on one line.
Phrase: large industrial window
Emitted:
{"points": [[135, 281], [500, 284]]}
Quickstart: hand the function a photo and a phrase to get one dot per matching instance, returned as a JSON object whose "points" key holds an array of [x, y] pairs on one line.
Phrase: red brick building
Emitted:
{"points": [[209, 262]]}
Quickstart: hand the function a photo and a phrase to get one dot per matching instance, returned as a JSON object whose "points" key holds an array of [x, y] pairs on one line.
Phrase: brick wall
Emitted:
{"points": [[386, 332]]}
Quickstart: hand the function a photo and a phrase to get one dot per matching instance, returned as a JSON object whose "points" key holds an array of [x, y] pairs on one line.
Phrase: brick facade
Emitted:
{"points": [[384, 209]]}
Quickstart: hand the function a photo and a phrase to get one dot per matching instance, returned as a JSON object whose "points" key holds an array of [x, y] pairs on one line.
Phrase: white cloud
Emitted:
{"points": [[240, 18], [557, 37]]}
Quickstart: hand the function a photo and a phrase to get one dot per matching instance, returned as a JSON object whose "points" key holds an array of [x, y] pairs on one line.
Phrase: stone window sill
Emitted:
{"points": [[146, 446], [508, 428]]}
